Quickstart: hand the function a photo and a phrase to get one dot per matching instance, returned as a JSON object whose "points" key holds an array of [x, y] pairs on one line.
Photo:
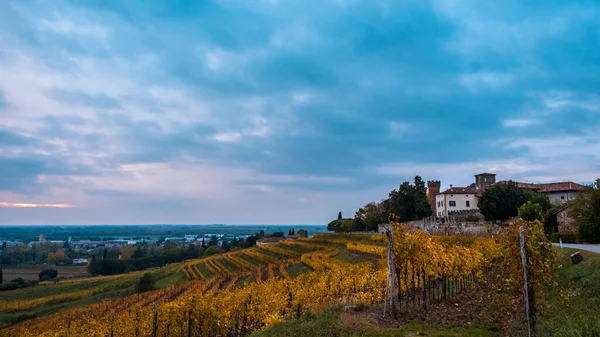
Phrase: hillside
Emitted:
{"points": [[448, 286]]}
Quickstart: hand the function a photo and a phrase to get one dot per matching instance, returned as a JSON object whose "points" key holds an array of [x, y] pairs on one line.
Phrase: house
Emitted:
{"points": [[460, 199], [269, 241], [80, 261], [465, 199], [558, 193], [456, 199]]}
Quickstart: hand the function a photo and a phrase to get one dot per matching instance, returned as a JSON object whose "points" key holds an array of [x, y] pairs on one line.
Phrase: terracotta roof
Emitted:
{"points": [[548, 187], [272, 239], [460, 190], [561, 186], [520, 184]]}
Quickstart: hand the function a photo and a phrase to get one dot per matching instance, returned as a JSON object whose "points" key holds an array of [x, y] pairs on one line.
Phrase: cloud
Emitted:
{"points": [[228, 137], [20, 205], [278, 112], [519, 123], [475, 81]]}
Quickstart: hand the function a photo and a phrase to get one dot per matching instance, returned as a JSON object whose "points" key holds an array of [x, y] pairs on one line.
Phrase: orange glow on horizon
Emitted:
{"points": [[24, 205]]}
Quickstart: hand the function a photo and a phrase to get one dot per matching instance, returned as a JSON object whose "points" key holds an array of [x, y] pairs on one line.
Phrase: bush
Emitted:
{"points": [[213, 250], [566, 237], [51, 273], [146, 283], [45, 278], [9, 286], [132, 268]]}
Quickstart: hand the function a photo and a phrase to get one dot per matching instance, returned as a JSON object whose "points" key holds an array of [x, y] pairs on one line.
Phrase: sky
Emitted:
{"points": [[284, 111]]}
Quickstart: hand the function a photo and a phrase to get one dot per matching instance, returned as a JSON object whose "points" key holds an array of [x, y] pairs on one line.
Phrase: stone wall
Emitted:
{"points": [[566, 224]]}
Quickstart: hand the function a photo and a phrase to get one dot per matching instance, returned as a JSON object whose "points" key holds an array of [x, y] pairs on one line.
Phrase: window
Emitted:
{"points": [[468, 203], [452, 204], [562, 196]]}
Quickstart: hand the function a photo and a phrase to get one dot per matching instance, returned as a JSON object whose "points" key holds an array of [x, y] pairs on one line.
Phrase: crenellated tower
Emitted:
{"points": [[433, 188]]}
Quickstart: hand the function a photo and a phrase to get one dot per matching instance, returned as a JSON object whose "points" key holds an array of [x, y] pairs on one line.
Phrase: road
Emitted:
{"points": [[589, 248]]}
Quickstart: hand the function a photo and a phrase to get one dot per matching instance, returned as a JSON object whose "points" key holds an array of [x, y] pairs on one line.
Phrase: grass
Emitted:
{"points": [[298, 269], [31, 273], [170, 280], [334, 323], [572, 309]]}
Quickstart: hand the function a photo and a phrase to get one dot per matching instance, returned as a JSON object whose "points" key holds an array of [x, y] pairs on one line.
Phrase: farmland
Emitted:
{"points": [[30, 273], [445, 285]]}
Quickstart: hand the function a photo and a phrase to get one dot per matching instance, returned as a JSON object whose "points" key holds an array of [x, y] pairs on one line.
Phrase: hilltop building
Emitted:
{"points": [[456, 200]]}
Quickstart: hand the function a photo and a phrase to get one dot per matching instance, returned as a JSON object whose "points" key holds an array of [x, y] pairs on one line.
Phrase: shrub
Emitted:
{"points": [[51, 273], [566, 237], [146, 283], [9, 286], [21, 282], [213, 250]]}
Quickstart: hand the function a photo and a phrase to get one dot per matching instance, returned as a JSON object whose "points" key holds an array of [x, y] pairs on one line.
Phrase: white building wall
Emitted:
{"points": [[454, 202], [562, 197]]}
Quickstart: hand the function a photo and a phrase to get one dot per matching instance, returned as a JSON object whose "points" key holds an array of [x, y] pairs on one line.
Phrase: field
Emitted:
{"points": [[30, 273], [447, 286]]}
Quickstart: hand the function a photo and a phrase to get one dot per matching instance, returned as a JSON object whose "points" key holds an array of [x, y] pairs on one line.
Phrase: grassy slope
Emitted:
{"points": [[573, 308], [335, 323]]}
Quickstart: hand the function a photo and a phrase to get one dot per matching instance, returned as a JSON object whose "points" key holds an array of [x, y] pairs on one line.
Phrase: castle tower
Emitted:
{"points": [[483, 181], [433, 188]]}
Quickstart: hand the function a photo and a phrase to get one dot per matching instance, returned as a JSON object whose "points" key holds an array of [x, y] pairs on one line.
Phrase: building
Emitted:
{"points": [[558, 193], [433, 188], [455, 199], [269, 241], [464, 199], [80, 261]]}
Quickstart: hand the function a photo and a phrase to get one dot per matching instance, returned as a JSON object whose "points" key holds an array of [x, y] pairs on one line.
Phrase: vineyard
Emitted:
{"points": [[240, 292]]}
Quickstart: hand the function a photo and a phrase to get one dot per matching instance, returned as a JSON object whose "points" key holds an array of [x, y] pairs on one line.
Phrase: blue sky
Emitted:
{"points": [[274, 111]]}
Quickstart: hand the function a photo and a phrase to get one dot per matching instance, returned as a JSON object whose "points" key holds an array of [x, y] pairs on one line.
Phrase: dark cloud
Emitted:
{"points": [[303, 88]]}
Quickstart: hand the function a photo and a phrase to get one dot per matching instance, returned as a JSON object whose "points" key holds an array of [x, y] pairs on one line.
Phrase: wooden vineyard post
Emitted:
{"points": [[154, 321], [137, 323], [112, 326], [235, 326], [391, 273], [525, 283], [189, 324]]}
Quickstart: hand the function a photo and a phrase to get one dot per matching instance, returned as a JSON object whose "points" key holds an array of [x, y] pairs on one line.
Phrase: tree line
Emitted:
{"points": [[408, 203]]}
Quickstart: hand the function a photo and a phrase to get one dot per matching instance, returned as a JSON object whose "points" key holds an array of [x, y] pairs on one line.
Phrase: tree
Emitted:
{"points": [[146, 283], [409, 202], [293, 231], [213, 241], [369, 217], [213, 250], [276, 235], [586, 212], [4, 245], [203, 243], [1, 276], [138, 253], [170, 245], [226, 246], [340, 216], [530, 212], [501, 201], [47, 274]]}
